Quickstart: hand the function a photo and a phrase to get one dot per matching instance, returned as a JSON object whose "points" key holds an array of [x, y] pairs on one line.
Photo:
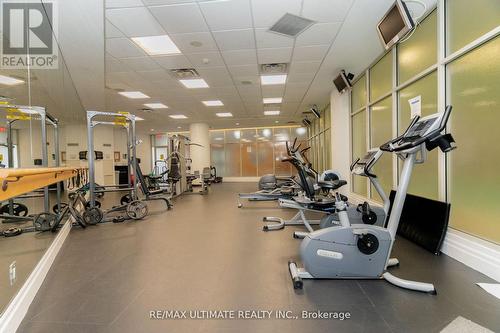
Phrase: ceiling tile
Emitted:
{"points": [[144, 22], [267, 12], [240, 57], [140, 64], [245, 70], [164, 2], [270, 56], [310, 53], [326, 10], [159, 75], [227, 15], [172, 62], [114, 65], [123, 3], [183, 42], [267, 39], [273, 91], [123, 48], [318, 34], [206, 59], [112, 31], [235, 39], [301, 77], [304, 67], [182, 18]]}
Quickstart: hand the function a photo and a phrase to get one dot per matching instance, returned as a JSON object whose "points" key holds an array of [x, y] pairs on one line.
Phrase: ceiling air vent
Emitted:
{"points": [[185, 73], [146, 110], [278, 68], [291, 25]]}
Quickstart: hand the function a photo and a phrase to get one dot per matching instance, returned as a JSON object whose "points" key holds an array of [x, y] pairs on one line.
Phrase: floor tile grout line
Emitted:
{"points": [[127, 306]]}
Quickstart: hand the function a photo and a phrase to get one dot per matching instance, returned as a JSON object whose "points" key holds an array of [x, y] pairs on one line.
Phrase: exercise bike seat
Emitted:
{"points": [[332, 184]]}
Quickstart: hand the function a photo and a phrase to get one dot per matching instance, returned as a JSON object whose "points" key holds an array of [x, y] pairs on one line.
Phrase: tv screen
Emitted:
{"points": [[341, 82], [395, 24]]}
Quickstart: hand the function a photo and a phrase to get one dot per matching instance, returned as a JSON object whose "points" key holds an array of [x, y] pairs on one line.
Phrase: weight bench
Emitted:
{"points": [[150, 194]]}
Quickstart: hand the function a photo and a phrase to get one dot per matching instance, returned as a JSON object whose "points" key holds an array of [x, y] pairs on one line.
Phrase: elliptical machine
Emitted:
{"points": [[359, 251]]}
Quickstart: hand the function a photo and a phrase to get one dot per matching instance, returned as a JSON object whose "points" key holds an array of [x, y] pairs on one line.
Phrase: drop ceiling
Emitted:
{"points": [[226, 41]]}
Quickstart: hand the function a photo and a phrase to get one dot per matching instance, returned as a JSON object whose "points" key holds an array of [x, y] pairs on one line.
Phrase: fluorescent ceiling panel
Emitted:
{"points": [[213, 103], [156, 106], [224, 114], [133, 94], [273, 79], [273, 100], [178, 116], [194, 83], [157, 45], [10, 81], [271, 113]]}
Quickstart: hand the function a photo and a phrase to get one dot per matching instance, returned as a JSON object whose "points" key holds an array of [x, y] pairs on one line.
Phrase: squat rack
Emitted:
{"points": [[127, 120], [45, 118]]}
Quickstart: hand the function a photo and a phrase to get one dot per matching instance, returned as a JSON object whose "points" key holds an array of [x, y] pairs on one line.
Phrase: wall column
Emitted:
{"points": [[200, 155]]}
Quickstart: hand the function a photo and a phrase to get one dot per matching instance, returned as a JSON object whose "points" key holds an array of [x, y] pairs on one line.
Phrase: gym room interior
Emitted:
{"points": [[249, 166]]}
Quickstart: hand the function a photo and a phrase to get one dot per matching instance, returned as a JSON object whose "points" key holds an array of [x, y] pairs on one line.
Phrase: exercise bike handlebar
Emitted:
{"points": [[396, 145]]}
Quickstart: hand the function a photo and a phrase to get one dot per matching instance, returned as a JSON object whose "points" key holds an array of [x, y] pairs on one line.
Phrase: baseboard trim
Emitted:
{"points": [[18, 307], [474, 252]]}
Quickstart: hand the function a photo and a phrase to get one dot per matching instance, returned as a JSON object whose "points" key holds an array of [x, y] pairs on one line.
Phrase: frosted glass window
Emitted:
{"points": [[474, 87], [233, 136], [282, 134], [282, 168], [217, 158], [419, 51], [468, 21], [300, 133], [232, 160], [265, 158], [328, 149], [381, 77], [424, 181], [248, 135], [359, 184], [216, 137], [248, 159], [381, 132], [358, 94]]}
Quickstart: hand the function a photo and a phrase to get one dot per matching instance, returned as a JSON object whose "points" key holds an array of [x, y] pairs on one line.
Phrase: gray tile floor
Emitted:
{"points": [[207, 254]]}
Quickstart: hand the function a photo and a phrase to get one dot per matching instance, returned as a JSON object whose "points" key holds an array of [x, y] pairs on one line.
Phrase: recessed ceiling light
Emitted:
{"points": [[156, 105], [157, 45], [224, 114], [213, 103], [179, 127], [273, 79], [194, 83], [276, 122], [152, 130], [273, 100], [237, 124], [178, 116], [137, 118], [133, 94], [10, 81], [271, 113]]}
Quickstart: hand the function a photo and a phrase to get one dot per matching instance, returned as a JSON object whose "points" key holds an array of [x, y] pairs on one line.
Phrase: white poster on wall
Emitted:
{"points": [[415, 106]]}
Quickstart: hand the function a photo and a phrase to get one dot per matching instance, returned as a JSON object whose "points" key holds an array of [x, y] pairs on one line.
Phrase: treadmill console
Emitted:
{"points": [[363, 166]]}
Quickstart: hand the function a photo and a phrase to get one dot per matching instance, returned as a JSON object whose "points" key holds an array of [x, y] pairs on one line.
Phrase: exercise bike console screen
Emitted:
{"points": [[363, 165]]}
